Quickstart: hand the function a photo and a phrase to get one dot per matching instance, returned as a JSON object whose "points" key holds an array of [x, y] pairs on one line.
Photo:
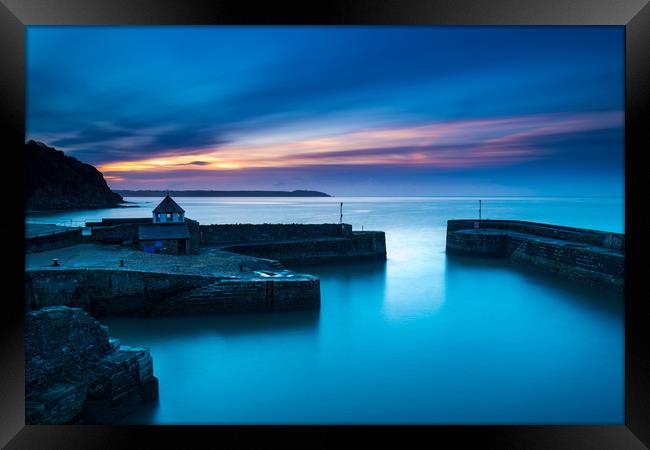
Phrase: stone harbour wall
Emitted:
{"points": [[195, 235], [363, 245], [232, 296], [218, 234], [484, 245], [105, 291], [582, 264], [614, 241], [125, 292], [74, 373], [52, 241], [592, 257], [114, 233]]}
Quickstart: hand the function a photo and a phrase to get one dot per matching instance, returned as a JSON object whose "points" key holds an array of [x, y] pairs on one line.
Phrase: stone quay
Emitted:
{"points": [[165, 265], [75, 373], [594, 258]]}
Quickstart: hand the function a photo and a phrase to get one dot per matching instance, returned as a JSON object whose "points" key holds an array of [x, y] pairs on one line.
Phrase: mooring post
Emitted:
{"points": [[479, 210], [341, 213]]}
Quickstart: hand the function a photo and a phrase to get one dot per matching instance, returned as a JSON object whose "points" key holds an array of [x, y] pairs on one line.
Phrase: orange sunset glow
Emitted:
{"points": [[463, 143]]}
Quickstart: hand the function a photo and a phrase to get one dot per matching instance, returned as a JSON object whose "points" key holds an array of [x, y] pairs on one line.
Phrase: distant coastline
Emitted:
{"points": [[205, 193]]}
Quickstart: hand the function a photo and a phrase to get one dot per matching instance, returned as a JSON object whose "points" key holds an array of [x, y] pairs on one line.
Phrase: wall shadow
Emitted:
{"points": [[376, 269], [602, 301], [154, 330], [360, 283]]}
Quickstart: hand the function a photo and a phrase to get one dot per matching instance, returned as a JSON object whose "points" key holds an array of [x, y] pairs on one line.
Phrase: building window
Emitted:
{"points": [[169, 217]]}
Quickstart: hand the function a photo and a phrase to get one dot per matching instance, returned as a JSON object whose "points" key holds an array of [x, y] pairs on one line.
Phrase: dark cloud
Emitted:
{"points": [[131, 142], [108, 94]]}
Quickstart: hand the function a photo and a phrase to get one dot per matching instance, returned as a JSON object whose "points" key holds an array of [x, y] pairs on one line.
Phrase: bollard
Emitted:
{"points": [[55, 262], [121, 263]]}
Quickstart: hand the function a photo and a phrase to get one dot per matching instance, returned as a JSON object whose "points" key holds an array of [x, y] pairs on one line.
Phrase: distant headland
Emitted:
{"points": [[56, 181], [206, 193]]}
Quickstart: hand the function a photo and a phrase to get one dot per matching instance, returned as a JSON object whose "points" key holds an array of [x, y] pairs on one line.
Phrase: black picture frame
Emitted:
{"points": [[15, 15]]}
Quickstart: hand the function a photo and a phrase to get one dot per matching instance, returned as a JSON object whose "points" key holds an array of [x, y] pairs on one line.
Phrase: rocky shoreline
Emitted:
{"points": [[75, 373]]}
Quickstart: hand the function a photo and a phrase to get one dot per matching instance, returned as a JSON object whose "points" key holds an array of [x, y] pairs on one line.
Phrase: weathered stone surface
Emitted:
{"points": [[55, 404], [121, 292], [74, 373], [225, 278], [231, 296], [358, 246], [592, 257], [604, 239], [58, 237], [246, 232]]}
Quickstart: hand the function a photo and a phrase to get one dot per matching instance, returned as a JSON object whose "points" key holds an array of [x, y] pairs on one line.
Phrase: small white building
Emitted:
{"points": [[168, 211], [169, 233]]}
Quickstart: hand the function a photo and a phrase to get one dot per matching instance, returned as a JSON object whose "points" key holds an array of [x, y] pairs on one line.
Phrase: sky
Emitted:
{"points": [[350, 111]]}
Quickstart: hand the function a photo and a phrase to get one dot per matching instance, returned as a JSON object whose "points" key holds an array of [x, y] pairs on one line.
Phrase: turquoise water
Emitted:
{"points": [[423, 338]]}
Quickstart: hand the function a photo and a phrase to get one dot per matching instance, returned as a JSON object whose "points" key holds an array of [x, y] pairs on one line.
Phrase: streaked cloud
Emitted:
{"points": [[304, 107], [451, 144]]}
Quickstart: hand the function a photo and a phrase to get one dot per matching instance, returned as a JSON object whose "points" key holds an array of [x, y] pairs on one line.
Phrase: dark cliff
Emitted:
{"points": [[58, 181]]}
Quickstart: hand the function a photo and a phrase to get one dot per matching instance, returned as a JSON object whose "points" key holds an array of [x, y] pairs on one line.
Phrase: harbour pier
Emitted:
{"points": [[595, 258]]}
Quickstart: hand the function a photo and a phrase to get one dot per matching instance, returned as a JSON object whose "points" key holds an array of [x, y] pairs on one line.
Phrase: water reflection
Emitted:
{"points": [[602, 301], [203, 362], [164, 329], [422, 338], [347, 269]]}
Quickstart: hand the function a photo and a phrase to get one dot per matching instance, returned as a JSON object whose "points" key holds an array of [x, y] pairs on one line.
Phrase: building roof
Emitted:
{"points": [[168, 205], [162, 231]]}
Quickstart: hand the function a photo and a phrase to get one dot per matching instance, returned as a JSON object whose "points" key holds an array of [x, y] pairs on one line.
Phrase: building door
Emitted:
{"points": [[181, 247]]}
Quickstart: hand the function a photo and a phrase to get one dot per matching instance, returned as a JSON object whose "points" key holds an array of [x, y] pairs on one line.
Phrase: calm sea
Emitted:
{"points": [[423, 338]]}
